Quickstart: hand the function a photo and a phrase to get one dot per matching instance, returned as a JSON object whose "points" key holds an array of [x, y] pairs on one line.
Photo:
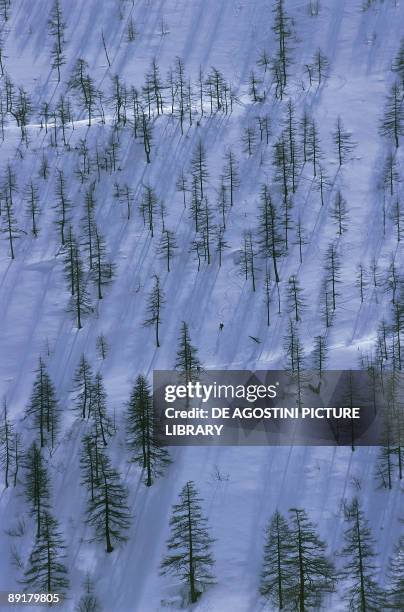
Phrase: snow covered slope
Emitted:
{"points": [[230, 35]]}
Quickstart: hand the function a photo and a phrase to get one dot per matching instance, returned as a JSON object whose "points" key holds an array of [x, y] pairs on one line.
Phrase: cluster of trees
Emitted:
{"points": [[278, 66], [297, 573], [107, 512], [45, 570], [97, 270], [297, 147], [10, 448], [385, 361]]}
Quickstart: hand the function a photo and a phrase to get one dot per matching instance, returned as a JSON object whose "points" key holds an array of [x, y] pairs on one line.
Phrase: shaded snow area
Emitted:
{"points": [[238, 103]]}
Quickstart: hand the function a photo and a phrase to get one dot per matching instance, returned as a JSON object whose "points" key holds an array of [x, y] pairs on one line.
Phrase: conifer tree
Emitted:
{"points": [[398, 63], [187, 361], [283, 33], [396, 577], [339, 213], [154, 306], [157, 87], [6, 444], [320, 352], [343, 142], [276, 579], [294, 295], [131, 31], [82, 387], [267, 295], [89, 226], [291, 129], [10, 227], [119, 96], [141, 439], [180, 89], [136, 119], [46, 571], [301, 239], [248, 258], [283, 179], [391, 174], [264, 60], [125, 195], [321, 66], [167, 247], [392, 124], [182, 186], [222, 201], [295, 358], [221, 243], [148, 207], [201, 88], [102, 346], [326, 302], [163, 213], [397, 216], [195, 210], [33, 209], [277, 78], [69, 259], [361, 281], [323, 183], [304, 126], [216, 83], [57, 27], [108, 512], [89, 462], [37, 488], [254, 83], [82, 83], [90, 97], [21, 111], [17, 452], [231, 174], [313, 573], [199, 168], [103, 269], [249, 140], [333, 270], [64, 115], [44, 115], [43, 407], [84, 165], [62, 206], [44, 168], [361, 590], [79, 302], [147, 136], [189, 547], [314, 153], [385, 461], [397, 328], [206, 229], [391, 281], [269, 239], [98, 411]]}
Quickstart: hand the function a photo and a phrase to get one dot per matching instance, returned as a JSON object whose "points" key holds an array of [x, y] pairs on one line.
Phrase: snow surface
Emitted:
{"points": [[228, 34]]}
